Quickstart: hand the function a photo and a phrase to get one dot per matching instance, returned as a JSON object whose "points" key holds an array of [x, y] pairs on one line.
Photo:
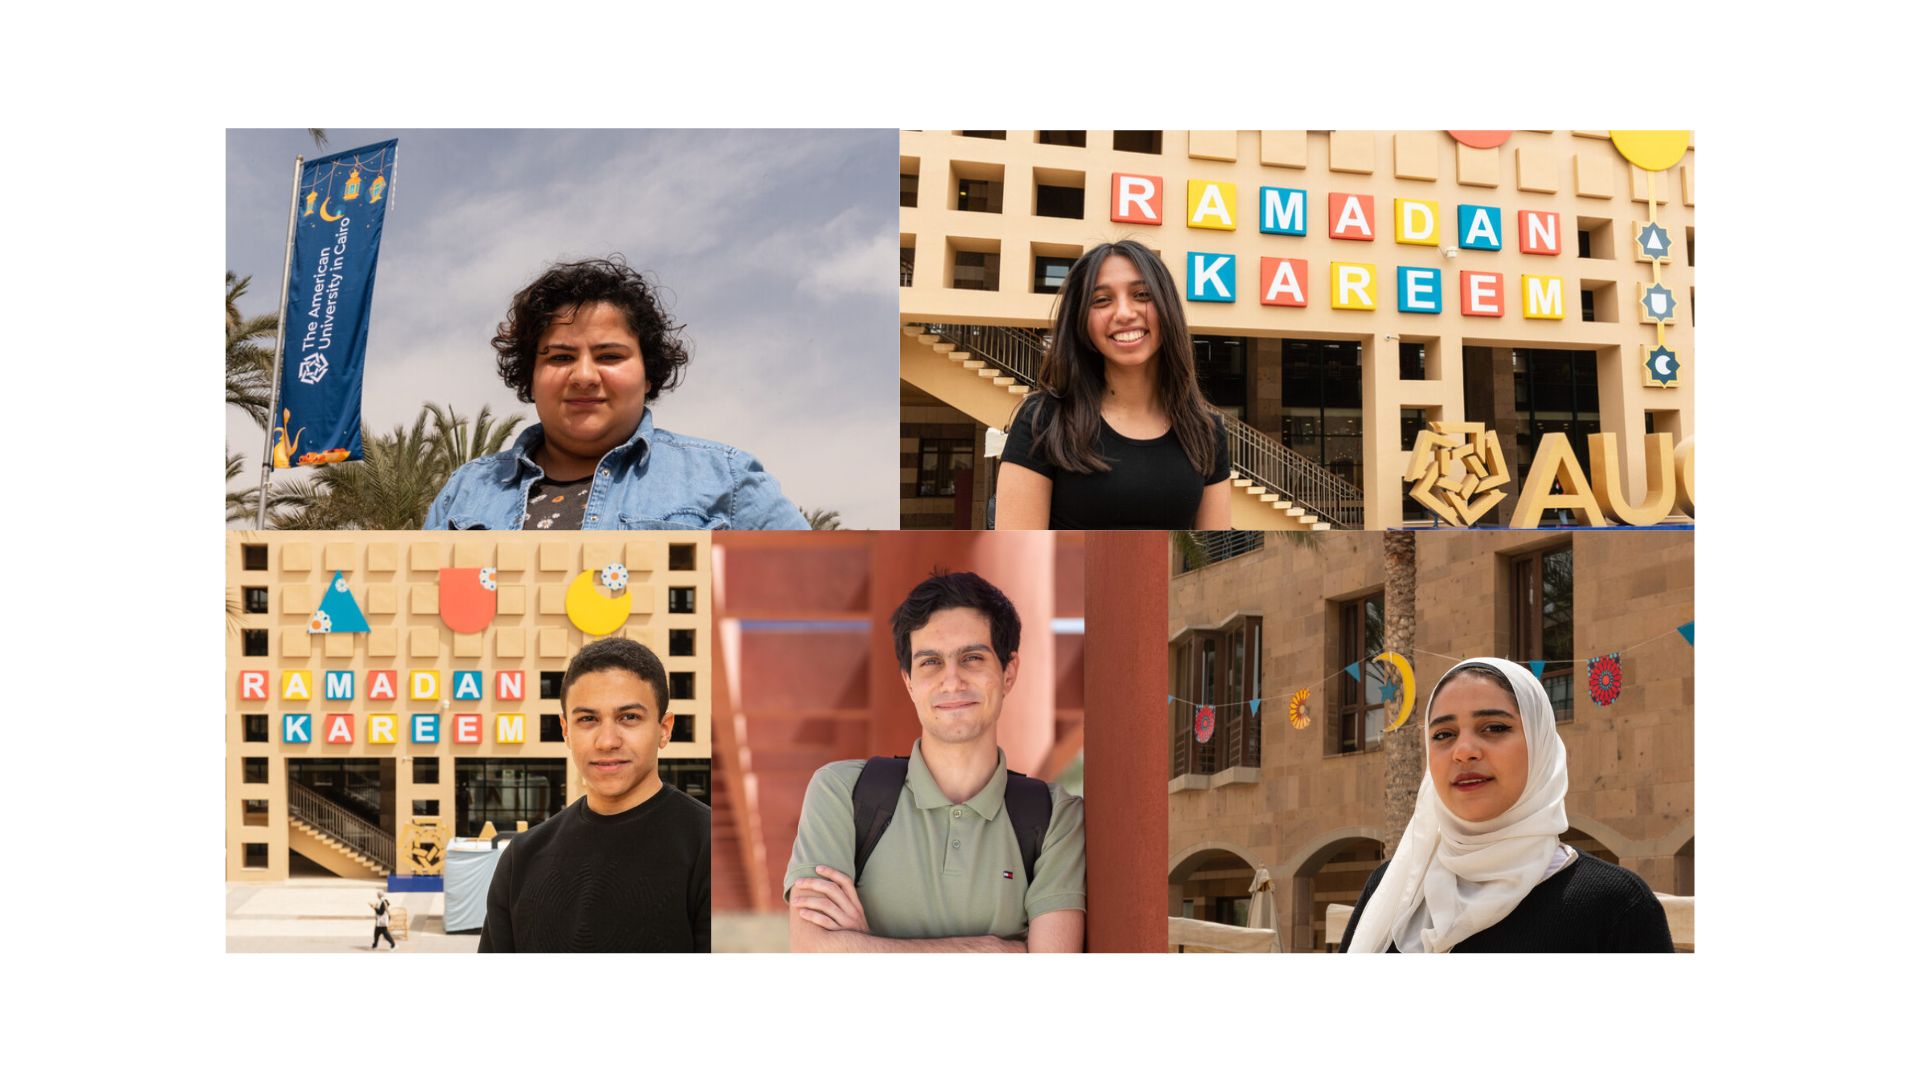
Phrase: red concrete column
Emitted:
{"points": [[1020, 564], [1126, 755]]}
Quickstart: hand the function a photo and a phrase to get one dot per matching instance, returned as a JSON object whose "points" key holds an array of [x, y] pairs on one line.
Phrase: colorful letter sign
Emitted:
{"points": [[1482, 293], [1209, 204], [1542, 297], [1283, 282], [1479, 227], [1352, 286], [1419, 290], [1416, 221], [1210, 277], [1283, 211], [1539, 232], [1136, 199], [1349, 217]]}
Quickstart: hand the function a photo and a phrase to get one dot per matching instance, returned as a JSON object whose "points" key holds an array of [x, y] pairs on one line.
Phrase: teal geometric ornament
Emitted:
{"points": [[1663, 366], [1653, 240], [337, 613]]}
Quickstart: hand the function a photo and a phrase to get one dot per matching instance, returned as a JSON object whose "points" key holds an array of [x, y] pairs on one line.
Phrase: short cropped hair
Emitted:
{"points": [[561, 291], [620, 654], [959, 590]]}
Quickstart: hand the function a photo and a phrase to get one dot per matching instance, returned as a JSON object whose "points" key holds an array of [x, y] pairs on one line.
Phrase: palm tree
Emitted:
{"points": [[249, 355], [1405, 748], [390, 488], [319, 136], [458, 440], [820, 520]]}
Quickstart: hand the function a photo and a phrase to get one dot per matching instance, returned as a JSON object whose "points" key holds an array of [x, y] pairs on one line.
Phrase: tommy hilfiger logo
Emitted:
{"points": [[1008, 874]]}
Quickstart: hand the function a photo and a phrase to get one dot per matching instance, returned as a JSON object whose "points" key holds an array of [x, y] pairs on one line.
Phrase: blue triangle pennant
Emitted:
{"points": [[1256, 706], [1686, 630], [1353, 669], [1539, 667]]}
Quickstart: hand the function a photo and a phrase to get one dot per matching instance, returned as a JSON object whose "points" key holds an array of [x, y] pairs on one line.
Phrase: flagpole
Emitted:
{"points": [[280, 342]]}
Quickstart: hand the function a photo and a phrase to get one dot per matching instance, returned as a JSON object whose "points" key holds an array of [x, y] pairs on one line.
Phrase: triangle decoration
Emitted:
{"points": [[1538, 667], [1686, 630], [338, 612]]}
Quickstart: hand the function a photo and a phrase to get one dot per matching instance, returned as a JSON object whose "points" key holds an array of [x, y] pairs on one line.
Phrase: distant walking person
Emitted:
{"points": [[382, 914]]}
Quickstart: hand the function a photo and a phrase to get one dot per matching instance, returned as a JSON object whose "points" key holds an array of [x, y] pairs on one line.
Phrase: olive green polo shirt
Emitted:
{"points": [[942, 870]]}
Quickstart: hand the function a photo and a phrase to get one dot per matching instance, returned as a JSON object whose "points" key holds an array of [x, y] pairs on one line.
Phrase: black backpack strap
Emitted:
{"points": [[1030, 808], [875, 795]]}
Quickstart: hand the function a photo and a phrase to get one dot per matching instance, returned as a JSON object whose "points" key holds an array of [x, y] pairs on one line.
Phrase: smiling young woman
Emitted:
{"points": [[1118, 435], [1481, 867]]}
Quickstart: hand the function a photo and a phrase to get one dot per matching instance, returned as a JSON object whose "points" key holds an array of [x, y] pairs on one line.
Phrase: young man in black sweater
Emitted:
{"points": [[624, 869]]}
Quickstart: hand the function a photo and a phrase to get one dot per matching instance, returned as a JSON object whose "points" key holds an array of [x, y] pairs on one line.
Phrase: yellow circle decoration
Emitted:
{"points": [[1654, 151], [1406, 686], [592, 612]]}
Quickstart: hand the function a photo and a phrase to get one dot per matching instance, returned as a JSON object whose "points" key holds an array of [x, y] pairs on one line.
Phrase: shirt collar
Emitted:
{"points": [[529, 440], [928, 796]]}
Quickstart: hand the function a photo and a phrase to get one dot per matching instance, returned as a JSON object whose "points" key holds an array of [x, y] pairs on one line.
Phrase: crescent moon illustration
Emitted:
{"points": [[1663, 364], [592, 612], [324, 216], [1406, 686]]}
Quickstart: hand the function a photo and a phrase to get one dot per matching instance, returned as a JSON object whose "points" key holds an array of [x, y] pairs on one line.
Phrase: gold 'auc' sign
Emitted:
{"points": [[1456, 470]]}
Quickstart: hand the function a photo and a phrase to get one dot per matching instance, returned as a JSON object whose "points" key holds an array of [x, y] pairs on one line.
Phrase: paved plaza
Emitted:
{"points": [[331, 915]]}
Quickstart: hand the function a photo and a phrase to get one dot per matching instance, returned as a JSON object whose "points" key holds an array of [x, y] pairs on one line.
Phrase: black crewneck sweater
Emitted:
{"points": [[1590, 906], [635, 881]]}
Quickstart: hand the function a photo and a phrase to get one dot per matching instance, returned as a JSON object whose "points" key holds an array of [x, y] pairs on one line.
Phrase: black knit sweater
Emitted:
{"points": [[1590, 906], [636, 881]]}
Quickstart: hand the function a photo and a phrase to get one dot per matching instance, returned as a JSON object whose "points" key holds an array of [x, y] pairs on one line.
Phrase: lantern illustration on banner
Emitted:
{"points": [[1203, 724], [353, 186]]}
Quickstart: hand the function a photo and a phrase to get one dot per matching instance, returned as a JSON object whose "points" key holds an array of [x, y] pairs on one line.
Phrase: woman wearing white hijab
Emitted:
{"points": [[1481, 867]]}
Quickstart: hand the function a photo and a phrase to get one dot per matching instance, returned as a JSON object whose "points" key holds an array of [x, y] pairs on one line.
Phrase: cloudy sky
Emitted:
{"points": [[776, 248]]}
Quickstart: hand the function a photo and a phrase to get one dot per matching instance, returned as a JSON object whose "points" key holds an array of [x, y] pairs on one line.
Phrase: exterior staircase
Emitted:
{"points": [[985, 371], [335, 837]]}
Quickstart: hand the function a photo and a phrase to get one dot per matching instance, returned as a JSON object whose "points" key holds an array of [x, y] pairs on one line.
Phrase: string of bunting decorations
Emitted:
{"points": [[1394, 676]]}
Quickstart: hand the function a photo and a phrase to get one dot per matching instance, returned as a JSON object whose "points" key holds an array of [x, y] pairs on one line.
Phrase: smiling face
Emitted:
{"points": [[957, 683], [615, 729], [589, 381], [1476, 748], [1121, 318]]}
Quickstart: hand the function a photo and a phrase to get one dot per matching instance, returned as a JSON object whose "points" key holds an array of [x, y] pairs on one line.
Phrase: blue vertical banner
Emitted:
{"points": [[341, 208]]}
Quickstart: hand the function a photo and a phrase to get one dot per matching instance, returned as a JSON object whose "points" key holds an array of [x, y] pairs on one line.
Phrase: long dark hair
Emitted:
{"points": [[1073, 374]]}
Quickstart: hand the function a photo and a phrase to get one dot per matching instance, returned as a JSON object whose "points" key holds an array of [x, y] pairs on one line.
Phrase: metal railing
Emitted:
{"points": [[1256, 455], [338, 823], [906, 273], [1198, 549]]}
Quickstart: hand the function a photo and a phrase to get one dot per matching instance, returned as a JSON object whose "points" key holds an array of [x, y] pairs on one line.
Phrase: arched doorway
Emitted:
{"points": [[1587, 845], [1334, 873], [1213, 885]]}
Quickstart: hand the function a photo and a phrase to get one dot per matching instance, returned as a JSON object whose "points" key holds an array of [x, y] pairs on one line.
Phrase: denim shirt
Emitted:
{"points": [[654, 480]]}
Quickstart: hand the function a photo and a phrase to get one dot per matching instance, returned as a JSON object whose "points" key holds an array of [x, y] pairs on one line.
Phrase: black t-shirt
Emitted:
{"points": [[557, 504], [1590, 906], [636, 881], [1152, 485]]}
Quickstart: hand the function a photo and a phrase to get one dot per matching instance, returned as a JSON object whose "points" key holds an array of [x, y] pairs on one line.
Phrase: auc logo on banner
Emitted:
{"points": [[341, 205]]}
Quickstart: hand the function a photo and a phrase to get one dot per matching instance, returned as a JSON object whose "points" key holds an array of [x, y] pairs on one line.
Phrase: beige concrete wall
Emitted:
{"points": [[1630, 764], [394, 578], [1578, 175]]}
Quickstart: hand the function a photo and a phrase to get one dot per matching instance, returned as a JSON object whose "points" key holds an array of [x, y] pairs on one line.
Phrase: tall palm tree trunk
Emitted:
{"points": [[1405, 748]]}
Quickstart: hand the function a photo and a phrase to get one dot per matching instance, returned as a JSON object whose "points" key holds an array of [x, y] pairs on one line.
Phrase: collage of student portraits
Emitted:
{"points": [[959, 541]]}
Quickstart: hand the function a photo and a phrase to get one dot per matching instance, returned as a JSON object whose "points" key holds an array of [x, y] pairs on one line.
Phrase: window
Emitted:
{"points": [[1220, 364], [1689, 245], [254, 856], [1061, 138], [426, 808], [1596, 237], [1051, 200], [1222, 669], [1597, 302], [253, 600], [680, 686], [551, 729], [1413, 361], [505, 791], [1050, 273], [692, 776], [253, 643], [906, 266], [253, 556], [942, 465], [1137, 142], [978, 270], [253, 770], [979, 196], [984, 134], [253, 811], [680, 642], [426, 770], [1361, 717], [680, 556], [1555, 390], [1542, 624], [682, 730], [1412, 423], [253, 727], [550, 682], [1320, 414], [680, 600], [909, 189]]}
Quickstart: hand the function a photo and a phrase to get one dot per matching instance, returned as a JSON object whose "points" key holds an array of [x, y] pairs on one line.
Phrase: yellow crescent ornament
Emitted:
{"points": [[1406, 686], [324, 216], [1297, 713], [592, 612], [1654, 151]]}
